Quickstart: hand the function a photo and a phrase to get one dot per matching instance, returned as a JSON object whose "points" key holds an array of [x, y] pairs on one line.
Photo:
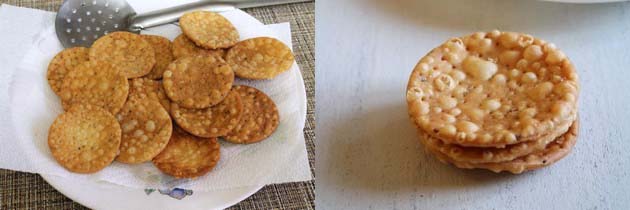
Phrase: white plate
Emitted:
{"points": [[106, 195]]}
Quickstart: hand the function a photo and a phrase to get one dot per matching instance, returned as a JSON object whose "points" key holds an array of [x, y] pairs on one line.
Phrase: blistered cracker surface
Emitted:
{"points": [[197, 82], [260, 117], [552, 153], [97, 83], [146, 129], [151, 88], [214, 121], [85, 139], [62, 63], [208, 29], [260, 58], [127, 51], [163, 55], [188, 156], [182, 47], [494, 155], [492, 89]]}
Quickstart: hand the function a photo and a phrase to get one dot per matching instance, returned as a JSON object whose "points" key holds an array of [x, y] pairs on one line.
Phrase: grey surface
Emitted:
{"points": [[29, 191], [368, 155]]}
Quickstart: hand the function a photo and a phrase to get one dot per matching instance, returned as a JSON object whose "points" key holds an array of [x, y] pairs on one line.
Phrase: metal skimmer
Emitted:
{"points": [[81, 22]]}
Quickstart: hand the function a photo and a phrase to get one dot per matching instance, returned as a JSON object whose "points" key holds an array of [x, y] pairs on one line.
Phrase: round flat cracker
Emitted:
{"points": [[163, 55], [494, 155], [62, 63], [214, 121], [85, 139], [552, 153], [183, 47], [97, 83], [151, 88], [260, 58], [208, 29], [188, 156], [492, 89], [260, 117], [129, 52], [146, 129], [198, 82]]}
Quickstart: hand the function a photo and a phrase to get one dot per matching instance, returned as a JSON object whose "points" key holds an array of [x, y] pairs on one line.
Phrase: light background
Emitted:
{"points": [[367, 154]]}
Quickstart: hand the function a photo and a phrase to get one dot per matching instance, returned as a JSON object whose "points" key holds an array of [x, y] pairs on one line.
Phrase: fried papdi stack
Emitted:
{"points": [[501, 101], [118, 109]]}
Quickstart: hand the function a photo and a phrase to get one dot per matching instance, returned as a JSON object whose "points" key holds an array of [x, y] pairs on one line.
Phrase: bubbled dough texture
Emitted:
{"points": [[197, 82], [260, 117], [260, 58], [214, 121], [129, 52], [208, 29], [552, 153], [62, 63], [182, 47], [495, 155], [492, 89], [187, 156], [149, 88], [163, 55], [97, 83], [146, 129], [85, 139]]}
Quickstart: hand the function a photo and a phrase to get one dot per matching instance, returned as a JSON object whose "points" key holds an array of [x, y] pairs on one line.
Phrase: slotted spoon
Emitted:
{"points": [[81, 22]]}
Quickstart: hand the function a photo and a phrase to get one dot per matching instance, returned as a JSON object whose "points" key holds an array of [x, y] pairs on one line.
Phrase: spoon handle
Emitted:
{"points": [[172, 14]]}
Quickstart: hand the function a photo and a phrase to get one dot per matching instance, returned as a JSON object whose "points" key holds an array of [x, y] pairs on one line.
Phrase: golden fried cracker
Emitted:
{"points": [[552, 153], [259, 120], [97, 83], [208, 29], [198, 82], [492, 89], [129, 52], [182, 47], [260, 58], [188, 156], [150, 88], [85, 139], [214, 121], [494, 155], [62, 63], [146, 129], [163, 55]]}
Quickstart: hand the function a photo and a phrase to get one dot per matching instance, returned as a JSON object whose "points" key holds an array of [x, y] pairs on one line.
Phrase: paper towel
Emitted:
{"points": [[29, 107]]}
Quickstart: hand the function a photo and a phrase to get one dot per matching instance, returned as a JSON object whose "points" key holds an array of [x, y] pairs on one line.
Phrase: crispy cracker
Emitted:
{"points": [[150, 88], [163, 55], [198, 82], [260, 58], [494, 155], [129, 52], [85, 139], [62, 63], [97, 83], [188, 156], [492, 89], [260, 117], [182, 47], [146, 129], [552, 153], [214, 121], [208, 29]]}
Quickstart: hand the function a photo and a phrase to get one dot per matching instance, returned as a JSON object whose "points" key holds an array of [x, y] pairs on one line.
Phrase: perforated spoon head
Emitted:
{"points": [[81, 22]]}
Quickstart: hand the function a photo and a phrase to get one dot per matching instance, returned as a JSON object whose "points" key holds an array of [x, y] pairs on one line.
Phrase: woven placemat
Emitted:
{"points": [[29, 191]]}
